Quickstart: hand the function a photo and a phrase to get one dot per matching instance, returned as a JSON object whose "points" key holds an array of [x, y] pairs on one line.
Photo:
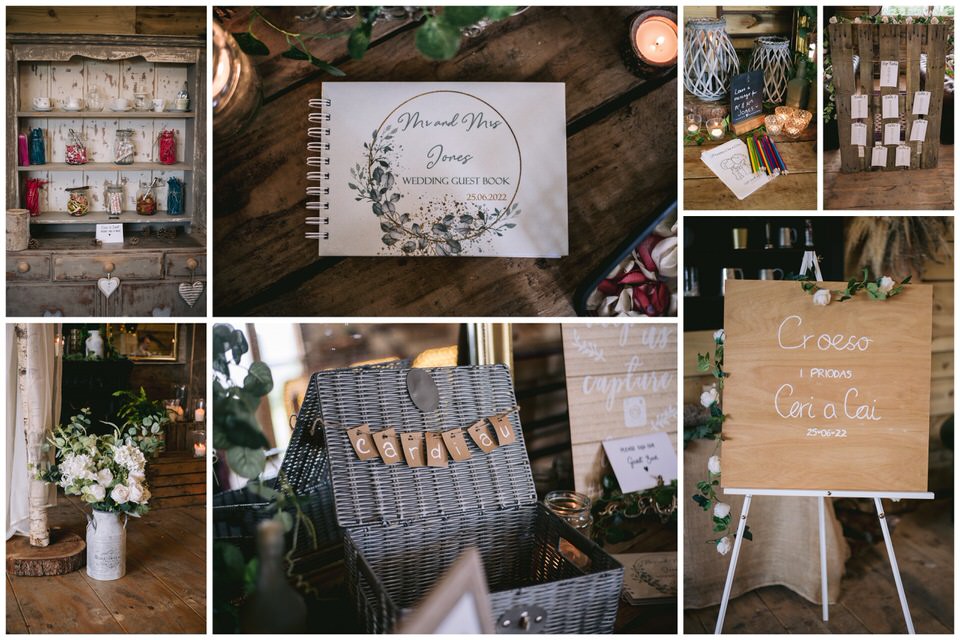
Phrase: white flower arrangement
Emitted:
{"points": [[106, 471]]}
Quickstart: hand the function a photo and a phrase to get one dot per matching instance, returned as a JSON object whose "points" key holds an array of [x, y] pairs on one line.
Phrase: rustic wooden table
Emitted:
{"points": [[796, 190], [917, 189], [621, 159]]}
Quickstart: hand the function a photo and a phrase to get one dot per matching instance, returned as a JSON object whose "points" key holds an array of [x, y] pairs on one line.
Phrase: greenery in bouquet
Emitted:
{"points": [[143, 420], [106, 471]]}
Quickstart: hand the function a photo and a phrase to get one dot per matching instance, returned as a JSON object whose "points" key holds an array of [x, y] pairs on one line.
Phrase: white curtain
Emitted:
{"points": [[40, 404]]}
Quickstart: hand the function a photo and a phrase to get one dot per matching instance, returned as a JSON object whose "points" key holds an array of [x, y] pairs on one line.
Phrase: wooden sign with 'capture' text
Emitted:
{"points": [[832, 397]]}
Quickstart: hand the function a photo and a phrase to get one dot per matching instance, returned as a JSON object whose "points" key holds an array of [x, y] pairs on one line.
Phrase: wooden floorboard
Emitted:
{"points": [[164, 590], [912, 190], [923, 543]]}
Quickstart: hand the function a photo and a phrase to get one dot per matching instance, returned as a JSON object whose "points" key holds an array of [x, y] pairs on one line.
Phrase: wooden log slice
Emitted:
{"points": [[66, 553]]}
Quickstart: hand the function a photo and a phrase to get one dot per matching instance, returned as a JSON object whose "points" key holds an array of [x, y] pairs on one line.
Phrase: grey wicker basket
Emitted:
{"points": [[403, 526]]}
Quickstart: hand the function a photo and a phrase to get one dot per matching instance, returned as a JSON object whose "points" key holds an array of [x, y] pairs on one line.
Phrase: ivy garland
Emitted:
{"points": [[441, 234]]}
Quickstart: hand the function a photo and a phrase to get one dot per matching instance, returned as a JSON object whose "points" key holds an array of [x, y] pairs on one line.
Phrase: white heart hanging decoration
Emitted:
{"points": [[191, 292], [108, 285]]}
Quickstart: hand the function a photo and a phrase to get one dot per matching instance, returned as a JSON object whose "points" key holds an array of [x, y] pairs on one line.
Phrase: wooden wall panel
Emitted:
{"points": [[112, 20]]}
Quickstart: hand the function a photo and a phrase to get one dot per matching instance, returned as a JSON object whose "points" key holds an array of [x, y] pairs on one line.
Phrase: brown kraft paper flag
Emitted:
{"points": [[388, 445], [436, 451], [362, 442], [456, 444], [482, 436], [413, 449]]}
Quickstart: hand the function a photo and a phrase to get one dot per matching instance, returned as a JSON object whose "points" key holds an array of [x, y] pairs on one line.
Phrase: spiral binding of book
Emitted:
{"points": [[316, 193]]}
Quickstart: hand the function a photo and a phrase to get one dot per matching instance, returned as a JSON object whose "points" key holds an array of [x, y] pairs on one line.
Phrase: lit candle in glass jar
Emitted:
{"points": [[715, 128], [199, 449], [773, 123], [656, 39], [236, 86], [693, 121]]}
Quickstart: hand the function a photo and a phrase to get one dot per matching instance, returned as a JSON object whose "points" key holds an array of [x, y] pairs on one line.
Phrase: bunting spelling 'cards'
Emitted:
{"points": [[431, 448]]}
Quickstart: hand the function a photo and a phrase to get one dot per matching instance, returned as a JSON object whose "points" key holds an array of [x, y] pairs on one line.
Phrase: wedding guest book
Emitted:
{"points": [[438, 169]]}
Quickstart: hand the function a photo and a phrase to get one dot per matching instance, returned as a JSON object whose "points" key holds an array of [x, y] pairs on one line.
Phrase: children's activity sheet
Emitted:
{"points": [[731, 163]]}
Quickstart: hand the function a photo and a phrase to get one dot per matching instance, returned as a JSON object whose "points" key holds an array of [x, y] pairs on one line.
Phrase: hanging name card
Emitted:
{"points": [[889, 73], [858, 133], [832, 397], [891, 106], [921, 103], [891, 133], [903, 156], [858, 106], [918, 133], [878, 157]]}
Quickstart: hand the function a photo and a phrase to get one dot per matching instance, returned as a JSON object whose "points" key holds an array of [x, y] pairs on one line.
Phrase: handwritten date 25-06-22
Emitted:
{"points": [[813, 432], [494, 197]]}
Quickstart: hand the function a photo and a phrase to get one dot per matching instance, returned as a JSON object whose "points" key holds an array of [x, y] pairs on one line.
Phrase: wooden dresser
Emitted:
{"points": [[162, 259]]}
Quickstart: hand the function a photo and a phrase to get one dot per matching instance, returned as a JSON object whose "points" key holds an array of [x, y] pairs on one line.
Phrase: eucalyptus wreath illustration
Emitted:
{"points": [[441, 228]]}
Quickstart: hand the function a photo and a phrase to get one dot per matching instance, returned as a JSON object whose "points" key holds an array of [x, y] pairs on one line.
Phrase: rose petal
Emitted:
{"points": [[609, 287], [634, 277]]}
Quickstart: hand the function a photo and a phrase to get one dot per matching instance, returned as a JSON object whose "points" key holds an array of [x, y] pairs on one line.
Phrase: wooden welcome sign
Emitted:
{"points": [[831, 398]]}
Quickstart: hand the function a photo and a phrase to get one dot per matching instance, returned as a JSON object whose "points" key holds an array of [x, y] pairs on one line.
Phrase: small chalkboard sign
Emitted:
{"points": [[746, 101]]}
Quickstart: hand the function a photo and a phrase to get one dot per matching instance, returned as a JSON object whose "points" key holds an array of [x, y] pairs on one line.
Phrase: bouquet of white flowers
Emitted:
{"points": [[105, 471]]}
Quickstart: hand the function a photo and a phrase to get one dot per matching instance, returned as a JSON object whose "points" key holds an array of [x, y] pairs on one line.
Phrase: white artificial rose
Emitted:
{"points": [[665, 257], [135, 492], [105, 477], [908, 20], [885, 19], [886, 284], [721, 510], [856, 21], [934, 20], [723, 545], [136, 476], [120, 494], [833, 19], [97, 491], [713, 465], [708, 397], [822, 297], [718, 336]]}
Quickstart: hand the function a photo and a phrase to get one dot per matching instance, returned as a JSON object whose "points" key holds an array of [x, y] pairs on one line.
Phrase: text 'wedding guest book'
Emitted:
{"points": [[438, 169]]}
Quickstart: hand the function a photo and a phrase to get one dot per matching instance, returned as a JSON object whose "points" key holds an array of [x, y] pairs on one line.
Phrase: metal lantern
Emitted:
{"points": [[771, 54], [709, 59]]}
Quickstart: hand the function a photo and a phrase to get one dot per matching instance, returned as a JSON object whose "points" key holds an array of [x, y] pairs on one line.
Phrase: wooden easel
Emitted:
{"points": [[820, 495]]}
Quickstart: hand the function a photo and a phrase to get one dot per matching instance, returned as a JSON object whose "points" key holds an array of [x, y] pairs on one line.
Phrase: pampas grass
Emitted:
{"points": [[896, 246]]}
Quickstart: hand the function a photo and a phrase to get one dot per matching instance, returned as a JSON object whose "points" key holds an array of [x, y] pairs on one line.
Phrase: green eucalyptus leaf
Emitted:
{"points": [[248, 463], [294, 53], [250, 44], [326, 66], [259, 380], [359, 40], [437, 39], [463, 16]]}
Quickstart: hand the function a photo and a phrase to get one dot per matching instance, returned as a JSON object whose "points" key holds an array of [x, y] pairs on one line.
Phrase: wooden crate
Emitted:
{"points": [[904, 43], [177, 479]]}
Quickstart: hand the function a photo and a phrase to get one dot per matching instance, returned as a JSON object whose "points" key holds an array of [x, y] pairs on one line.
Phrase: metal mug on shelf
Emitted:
{"points": [[787, 237], [771, 274], [729, 273]]}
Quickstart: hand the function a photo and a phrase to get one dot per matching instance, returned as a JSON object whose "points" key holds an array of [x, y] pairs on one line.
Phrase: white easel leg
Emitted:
{"points": [[824, 598], [728, 587], [894, 566]]}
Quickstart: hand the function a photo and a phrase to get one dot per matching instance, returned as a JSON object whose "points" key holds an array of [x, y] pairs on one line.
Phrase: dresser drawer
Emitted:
{"points": [[66, 300], [162, 298], [178, 264], [28, 268], [142, 266]]}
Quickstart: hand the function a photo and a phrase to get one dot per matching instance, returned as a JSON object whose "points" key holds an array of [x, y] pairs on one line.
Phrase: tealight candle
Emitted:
{"points": [[693, 120], [649, 48], [715, 128], [774, 123]]}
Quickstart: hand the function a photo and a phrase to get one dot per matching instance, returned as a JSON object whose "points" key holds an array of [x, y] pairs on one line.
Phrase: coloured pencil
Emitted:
{"points": [[756, 154], [775, 153], [768, 154], [753, 167], [783, 165], [763, 157]]}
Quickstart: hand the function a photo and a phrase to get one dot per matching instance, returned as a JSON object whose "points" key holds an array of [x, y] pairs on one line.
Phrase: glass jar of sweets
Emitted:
{"points": [[573, 507], [113, 198], [78, 204], [147, 199], [123, 147]]}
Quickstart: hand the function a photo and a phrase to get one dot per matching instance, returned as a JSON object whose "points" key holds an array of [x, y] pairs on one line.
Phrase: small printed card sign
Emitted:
{"points": [[638, 461], [918, 132], [746, 100], [110, 233], [878, 157], [889, 73], [891, 107], [903, 156], [921, 103], [858, 106], [649, 577], [833, 397], [891, 133], [858, 134]]}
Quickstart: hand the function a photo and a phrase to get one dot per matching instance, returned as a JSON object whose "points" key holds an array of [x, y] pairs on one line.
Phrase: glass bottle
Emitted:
{"points": [[123, 147], [573, 507], [275, 606], [798, 89], [174, 196], [38, 152]]}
